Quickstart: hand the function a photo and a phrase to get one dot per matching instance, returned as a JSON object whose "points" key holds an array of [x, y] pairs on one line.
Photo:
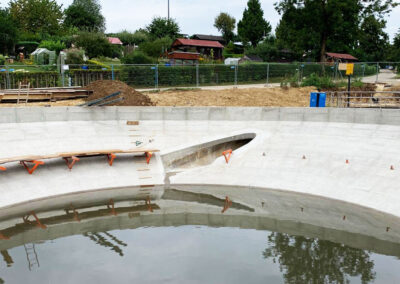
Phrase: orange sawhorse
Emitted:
{"points": [[110, 158], [148, 203], [227, 154], [31, 170], [228, 203], [38, 223], [148, 156], [3, 237], [76, 217], [110, 205], [73, 161]]}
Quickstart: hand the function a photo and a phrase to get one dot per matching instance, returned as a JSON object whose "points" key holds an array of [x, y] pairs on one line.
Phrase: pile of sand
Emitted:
{"points": [[131, 97], [292, 97]]}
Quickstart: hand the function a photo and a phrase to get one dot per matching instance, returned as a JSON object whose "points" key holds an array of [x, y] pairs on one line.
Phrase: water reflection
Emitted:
{"points": [[307, 260], [102, 241], [325, 256]]}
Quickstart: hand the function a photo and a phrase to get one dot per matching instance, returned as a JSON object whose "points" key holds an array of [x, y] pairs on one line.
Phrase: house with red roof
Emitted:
{"points": [[340, 57], [114, 40], [203, 47]]}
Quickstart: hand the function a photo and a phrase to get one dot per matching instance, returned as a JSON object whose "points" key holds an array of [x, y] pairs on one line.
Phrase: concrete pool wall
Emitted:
{"points": [[345, 115], [297, 159]]}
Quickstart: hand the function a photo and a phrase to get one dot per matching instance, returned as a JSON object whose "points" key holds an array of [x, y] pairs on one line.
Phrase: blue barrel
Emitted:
{"points": [[317, 99], [322, 100], [313, 99]]}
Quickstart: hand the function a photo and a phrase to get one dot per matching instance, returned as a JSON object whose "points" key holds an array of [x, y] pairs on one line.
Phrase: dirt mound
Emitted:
{"points": [[293, 97], [131, 97]]}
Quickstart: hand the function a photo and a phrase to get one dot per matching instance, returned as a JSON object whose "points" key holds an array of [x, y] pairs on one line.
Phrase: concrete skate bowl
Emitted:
{"points": [[205, 153], [323, 173], [174, 209], [286, 163]]}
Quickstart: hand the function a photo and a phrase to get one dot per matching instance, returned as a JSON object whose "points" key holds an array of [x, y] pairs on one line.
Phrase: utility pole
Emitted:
{"points": [[168, 10]]}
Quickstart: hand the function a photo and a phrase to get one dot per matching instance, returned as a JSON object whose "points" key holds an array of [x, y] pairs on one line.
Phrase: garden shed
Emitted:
{"points": [[43, 56]]}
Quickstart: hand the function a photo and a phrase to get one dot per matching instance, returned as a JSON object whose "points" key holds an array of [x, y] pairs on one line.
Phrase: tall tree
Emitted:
{"points": [[226, 24], [163, 27], [85, 15], [373, 41], [37, 16], [322, 25], [307, 260], [253, 27], [8, 32]]}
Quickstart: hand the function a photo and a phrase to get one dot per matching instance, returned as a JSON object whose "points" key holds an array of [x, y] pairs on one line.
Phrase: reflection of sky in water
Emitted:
{"points": [[186, 254]]}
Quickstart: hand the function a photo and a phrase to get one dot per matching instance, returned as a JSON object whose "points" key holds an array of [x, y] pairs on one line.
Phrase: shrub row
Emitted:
{"points": [[36, 79], [145, 75]]}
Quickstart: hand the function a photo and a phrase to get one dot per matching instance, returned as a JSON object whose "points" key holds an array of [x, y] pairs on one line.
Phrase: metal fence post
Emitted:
{"points": [[377, 72], [8, 81], [112, 72], [156, 77], [197, 76], [267, 74], [62, 74], [236, 73], [363, 72]]}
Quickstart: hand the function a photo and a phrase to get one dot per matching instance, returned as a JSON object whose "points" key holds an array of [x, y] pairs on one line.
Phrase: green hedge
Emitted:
{"points": [[36, 79], [144, 76]]}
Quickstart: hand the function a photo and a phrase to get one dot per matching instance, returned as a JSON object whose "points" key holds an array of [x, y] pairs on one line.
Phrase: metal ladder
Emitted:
{"points": [[26, 97], [31, 256]]}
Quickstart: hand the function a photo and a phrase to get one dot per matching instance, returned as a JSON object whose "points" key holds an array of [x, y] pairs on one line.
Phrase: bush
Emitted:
{"points": [[136, 57], [157, 47], [318, 81], [75, 57], [95, 44], [56, 46], [2, 60]]}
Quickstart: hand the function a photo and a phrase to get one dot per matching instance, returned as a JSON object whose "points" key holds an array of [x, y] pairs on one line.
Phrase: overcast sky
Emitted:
{"points": [[193, 16]]}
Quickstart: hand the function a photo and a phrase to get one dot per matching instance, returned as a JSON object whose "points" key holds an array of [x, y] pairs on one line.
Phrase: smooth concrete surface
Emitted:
{"points": [[60, 114], [268, 174]]}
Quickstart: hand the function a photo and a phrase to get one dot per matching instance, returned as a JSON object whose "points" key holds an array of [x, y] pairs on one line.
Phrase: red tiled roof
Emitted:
{"points": [[196, 42], [341, 56], [114, 40]]}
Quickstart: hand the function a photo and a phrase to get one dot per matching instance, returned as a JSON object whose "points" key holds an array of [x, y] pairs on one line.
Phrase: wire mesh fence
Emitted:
{"points": [[167, 76], [364, 99]]}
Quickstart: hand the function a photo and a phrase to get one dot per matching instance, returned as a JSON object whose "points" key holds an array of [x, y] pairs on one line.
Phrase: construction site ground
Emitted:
{"points": [[290, 97]]}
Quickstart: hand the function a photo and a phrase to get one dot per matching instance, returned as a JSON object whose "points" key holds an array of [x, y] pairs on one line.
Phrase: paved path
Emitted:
{"points": [[385, 76]]}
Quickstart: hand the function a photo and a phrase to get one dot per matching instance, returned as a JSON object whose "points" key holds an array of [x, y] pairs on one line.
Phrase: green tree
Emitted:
{"points": [[95, 44], [306, 260], [85, 15], [137, 57], [8, 32], [57, 46], [373, 41], [37, 16], [162, 27], [157, 47], [253, 27], [266, 50], [129, 38], [318, 26], [226, 25], [393, 53]]}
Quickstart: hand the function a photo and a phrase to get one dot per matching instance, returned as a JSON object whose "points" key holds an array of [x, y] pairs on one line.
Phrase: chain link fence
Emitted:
{"points": [[166, 76]]}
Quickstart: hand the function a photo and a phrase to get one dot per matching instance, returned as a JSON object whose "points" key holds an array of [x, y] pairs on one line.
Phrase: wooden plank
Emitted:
{"points": [[132, 122], [76, 154]]}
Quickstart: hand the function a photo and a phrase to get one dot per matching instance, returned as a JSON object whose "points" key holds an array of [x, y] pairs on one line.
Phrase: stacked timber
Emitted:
{"points": [[44, 94]]}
